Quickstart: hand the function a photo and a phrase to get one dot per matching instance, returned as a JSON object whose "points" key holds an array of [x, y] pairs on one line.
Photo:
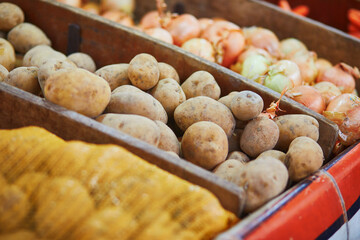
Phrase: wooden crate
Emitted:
{"points": [[109, 43]]}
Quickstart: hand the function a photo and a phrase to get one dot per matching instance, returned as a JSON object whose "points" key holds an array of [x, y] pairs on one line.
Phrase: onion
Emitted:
{"points": [[350, 128], [204, 23], [150, 20], [126, 6], [263, 38], [119, 17], [290, 46], [91, 7], [343, 103], [160, 34], [215, 32], [183, 28], [322, 64], [342, 75], [307, 96], [254, 67], [306, 64], [230, 47], [328, 91], [74, 3], [251, 51], [201, 48]]}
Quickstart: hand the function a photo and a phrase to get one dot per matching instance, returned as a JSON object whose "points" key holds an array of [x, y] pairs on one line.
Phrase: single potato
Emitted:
{"points": [[78, 90], [127, 88], [304, 157], [205, 144], [83, 60], [201, 83], [169, 93], [246, 105], [134, 125], [3, 73], [260, 135], [226, 100], [273, 154], [7, 54], [115, 74], [25, 78], [26, 36], [204, 109], [168, 139], [239, 156], [10, 16], [167, 71], [38, 55], [292, 126], [143, 71], [229, 170]]}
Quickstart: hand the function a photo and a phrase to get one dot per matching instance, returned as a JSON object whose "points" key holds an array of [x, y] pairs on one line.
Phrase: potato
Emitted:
{"points": [[3, 181], [204, 144], [167, 71], [226, 100], [201, 83], [7, 54], [51, 66], [259, 135], [126, 88], [134, 125], [292, 126], [62, 204], [26, 36], [239, 156], [39, 54], [3, 73], [83, 60], [139, 103], [25, 78], [204, 109], [29, 184], [14, 208], [246, 105], [78, 90], [168, 139], [115, 74], [10, 16], [143, 71], [304, 157], [234, 140], [20, 235], [262, 180], [229, 170], [273, 154], [169, 93]]}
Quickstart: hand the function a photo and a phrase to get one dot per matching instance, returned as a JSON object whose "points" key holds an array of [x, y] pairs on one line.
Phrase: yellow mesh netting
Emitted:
{"points": [[52, 189]]}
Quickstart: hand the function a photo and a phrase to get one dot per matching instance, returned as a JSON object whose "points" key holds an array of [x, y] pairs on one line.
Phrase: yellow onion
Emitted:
{"points": [[201, 48], [350, 127], [306, 64], [255, 67], [343, 103], [150, 20], [183, 28], [126, 6], [328, 91], [307, 96], [322, 64], [263, 38], [160, 33], [290, 46]]}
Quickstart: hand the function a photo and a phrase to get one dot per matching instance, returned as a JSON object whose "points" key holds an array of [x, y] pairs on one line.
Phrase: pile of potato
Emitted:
{"points": [[230, 136]]}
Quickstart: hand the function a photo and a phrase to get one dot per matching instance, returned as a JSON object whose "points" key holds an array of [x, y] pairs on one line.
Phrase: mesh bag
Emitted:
{"points": [[52, 189]]}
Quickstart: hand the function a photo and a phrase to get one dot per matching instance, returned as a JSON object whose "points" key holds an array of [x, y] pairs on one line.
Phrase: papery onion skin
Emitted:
{"points": [[150, 20], [328, 91], [119, 17], [254, 67], [231, 47], [343, 103], [350, 128], [343, 80], [160, 33], [126, 6], [263, 38], [183, 28], [289, 46], [291, 70], [307, 96], [215, 32], [277, 82], [306, 64], [204, 23], [201, 48], [91, 7], [251, 50], [322, 64], [74, 3]]}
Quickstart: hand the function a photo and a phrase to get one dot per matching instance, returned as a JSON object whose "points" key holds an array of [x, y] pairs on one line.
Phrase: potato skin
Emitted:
{"points": [[3, 73], [83, 60], [204, 109], [126, 88], [226, 100], [273, 154], [25, 78], [168, 139], [78, 90], [260, 134], [262, 180], [234, 140], [139, 103], [10, 16], [36, 56], [26, 36], [169, 93], [143, 71], [246, 105], [304, 157], [115, 74], [201, 83], [292, 126], [238, 156], [229, 170], [7, 56], [134, 125], [167, 71], [204, 144]]}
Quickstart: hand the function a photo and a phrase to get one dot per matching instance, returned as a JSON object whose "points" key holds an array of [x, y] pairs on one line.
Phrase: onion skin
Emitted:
{"points": [[150, 20], [254, 67], [74, 3], [183, 28], [119, 17], [290, 46], [263, 38], [328, 91], [201, 48], [91, 7], [343, 103], [215, 32], [350, 128], [230, 48], [339, 76], [204, 23], [126, 6], [322, 64], [251, 50], [306, 64], [160, 33], [307, 96]]}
